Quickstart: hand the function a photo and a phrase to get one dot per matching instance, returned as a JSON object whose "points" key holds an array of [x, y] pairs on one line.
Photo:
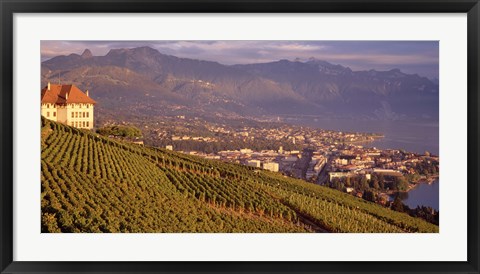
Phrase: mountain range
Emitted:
{"points": [[146, 81]]}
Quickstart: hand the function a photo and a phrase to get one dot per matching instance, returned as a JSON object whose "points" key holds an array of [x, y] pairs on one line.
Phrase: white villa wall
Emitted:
{"points": [[49, 111], [62, 114], [80, 115], [76, 115]]}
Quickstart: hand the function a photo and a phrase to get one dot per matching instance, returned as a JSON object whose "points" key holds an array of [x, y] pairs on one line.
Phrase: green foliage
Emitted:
{"points": [[397, 204], [400, 184], [96, 184], [369, 195], [120, 131]]}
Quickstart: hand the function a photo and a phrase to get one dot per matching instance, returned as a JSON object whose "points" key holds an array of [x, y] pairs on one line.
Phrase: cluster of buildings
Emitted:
{"points": [[326, 155], [358, 161], [194, 138], [323, 143], [272, 166], [317, 163], [275, 161], [295, 135]]}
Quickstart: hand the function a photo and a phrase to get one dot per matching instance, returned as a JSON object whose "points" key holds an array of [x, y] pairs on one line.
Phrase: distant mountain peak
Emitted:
{"points": [[397, 70], [315, 61], [145, 48], [142, 52], [116, 51], [87, 54]]}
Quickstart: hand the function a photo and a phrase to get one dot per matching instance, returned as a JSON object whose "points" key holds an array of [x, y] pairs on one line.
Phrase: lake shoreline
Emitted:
{"points": [[429, 183], [412, 136]]}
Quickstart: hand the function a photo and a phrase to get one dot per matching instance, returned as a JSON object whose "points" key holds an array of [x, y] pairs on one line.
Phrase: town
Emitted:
{"points": [[342, 160], [338, 164]]}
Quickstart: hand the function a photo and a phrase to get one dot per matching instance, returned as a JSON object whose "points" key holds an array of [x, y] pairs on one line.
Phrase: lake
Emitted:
{"points": [[424, 194], [412, 136]]}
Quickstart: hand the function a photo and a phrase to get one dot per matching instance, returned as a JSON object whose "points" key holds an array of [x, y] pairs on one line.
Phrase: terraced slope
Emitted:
{"points": [[95, 184]]}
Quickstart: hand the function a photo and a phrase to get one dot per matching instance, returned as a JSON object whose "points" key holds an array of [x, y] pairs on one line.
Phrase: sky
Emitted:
{"points": [[420, 57]]}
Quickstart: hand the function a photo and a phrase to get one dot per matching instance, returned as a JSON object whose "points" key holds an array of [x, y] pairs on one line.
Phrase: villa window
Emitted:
{"points": [[83, 123], [48, 114], [73, 114], [84, 115], [88, 114], [54, 114], [88, 124]]}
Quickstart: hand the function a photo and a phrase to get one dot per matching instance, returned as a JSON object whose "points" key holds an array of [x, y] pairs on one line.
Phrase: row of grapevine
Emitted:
{"points": [[123, 191]]}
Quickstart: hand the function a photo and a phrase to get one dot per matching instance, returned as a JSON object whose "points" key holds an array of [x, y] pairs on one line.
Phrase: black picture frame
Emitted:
{"points": [[10, 7]]}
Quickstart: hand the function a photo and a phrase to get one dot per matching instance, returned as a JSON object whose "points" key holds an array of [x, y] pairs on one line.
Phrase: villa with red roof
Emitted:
{"points": [[67, 104]]}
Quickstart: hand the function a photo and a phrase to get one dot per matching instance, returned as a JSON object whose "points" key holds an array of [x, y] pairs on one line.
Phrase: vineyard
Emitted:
{"points": [[96, 184]]}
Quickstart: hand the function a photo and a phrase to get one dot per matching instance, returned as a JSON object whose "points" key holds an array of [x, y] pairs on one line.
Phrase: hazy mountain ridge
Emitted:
{"points": [[358, 91], [282, 87]]}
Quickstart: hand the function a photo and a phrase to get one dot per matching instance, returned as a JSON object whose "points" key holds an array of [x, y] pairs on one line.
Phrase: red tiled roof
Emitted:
{"points": [[57, 94]]}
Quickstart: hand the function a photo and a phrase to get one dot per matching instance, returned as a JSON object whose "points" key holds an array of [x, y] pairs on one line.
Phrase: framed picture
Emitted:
{"points": [[248, 137]]}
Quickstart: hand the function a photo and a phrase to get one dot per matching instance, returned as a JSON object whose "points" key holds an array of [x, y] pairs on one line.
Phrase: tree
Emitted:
{"points": [[338, 185], [363, 184], [397, 204], [369, 195], [348, 182], [400, 183], [381, 179]]}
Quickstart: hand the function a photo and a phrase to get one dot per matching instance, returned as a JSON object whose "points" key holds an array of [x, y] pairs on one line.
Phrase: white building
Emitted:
{"points": [[388, 172], [246, 150], [271, 166], [341, 161], [68, 105], [253, 163], [340, 175]]}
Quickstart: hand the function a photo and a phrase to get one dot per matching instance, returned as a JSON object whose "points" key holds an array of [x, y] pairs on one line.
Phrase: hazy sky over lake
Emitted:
{"points": [[421, 57]]}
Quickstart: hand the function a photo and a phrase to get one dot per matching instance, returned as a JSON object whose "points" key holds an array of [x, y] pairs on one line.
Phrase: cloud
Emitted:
{"points": [[383, 58]]}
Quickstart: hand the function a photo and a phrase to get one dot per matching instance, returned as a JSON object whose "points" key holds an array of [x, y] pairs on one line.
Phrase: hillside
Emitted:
{"points": [[95, 184], [159, 82]]}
